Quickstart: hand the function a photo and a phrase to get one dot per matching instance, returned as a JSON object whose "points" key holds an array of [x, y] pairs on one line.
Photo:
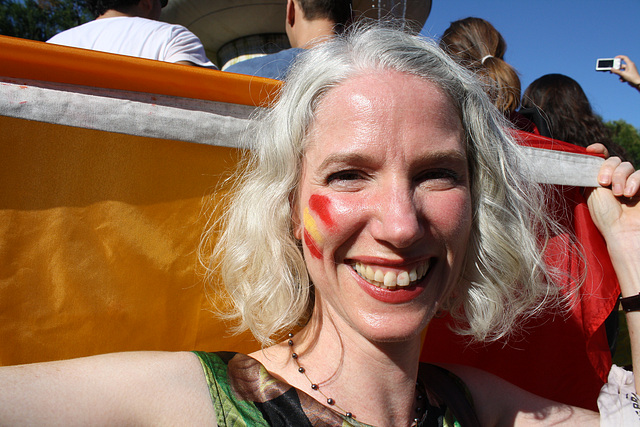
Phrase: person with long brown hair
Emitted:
{"points": [[565, 113]]}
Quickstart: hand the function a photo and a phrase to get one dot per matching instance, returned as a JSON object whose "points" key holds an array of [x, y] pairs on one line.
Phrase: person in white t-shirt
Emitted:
{"points": [[131, 27]]}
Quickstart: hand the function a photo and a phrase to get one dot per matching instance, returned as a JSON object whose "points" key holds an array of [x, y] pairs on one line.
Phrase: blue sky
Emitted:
{"points": [[561, 36]]}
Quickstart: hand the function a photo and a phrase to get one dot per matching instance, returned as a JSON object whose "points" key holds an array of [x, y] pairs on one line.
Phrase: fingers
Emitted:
{"points": [[622, 72], [606, 171], [621, 176], [632, 185], [626, 63], [598, 148], [628, 71], [625, 180]]}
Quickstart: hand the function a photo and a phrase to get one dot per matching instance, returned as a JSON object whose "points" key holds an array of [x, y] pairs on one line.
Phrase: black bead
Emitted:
{"points": [[294, 355], [418, 409], [301, 370], [330, 401], [290, 342], [314, 386], [290, 335], [349, 415]]}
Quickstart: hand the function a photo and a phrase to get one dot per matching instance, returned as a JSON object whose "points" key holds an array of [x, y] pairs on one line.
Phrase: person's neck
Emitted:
{"points": [[313, 32], [112, 13], [375, 382]]}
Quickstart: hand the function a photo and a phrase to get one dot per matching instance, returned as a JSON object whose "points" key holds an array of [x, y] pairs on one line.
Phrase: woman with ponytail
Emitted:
{"points": [[479, 47]]}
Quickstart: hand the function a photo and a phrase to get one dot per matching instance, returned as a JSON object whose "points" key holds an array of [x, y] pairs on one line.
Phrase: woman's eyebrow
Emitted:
{"points": [[351, 158], [345, 159], [455, 156]]}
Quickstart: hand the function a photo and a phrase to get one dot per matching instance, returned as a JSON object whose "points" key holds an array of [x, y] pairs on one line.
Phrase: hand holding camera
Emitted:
{"points": [[621, 65]]}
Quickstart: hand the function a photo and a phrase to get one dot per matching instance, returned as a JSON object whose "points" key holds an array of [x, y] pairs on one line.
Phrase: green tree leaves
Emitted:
{"points": [[628, 137], [40, 19]]}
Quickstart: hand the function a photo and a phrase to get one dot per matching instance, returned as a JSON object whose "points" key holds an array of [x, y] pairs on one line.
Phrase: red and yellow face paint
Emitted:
{"points": [[313, 238]]}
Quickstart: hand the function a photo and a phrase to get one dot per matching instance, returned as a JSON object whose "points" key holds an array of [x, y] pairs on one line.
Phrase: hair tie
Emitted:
{"points": [[486, 57]]}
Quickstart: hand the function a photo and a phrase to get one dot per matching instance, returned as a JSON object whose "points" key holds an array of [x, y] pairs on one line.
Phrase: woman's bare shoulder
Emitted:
{"points": [[500, 403], [133, 387]]}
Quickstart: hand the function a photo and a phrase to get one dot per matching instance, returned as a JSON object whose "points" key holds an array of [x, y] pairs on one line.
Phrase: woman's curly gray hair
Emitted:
{"points": [[261, 263]]}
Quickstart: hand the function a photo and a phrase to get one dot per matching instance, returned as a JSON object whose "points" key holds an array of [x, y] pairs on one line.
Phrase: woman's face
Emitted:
{"points": [[384, 206]]}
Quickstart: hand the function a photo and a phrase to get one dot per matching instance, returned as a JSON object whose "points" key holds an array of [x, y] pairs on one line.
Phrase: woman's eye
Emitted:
{"points": [[344, 176], [439, 176], [347, 180]]}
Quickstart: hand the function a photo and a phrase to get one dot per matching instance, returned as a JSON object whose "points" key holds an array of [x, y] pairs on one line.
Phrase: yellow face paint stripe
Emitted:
{"points": [[311, 226]]}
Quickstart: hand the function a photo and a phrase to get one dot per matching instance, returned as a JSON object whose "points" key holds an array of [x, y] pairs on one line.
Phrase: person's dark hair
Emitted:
{"points": [[479, 47], [567, 111], [337, 11], [99, 7]]}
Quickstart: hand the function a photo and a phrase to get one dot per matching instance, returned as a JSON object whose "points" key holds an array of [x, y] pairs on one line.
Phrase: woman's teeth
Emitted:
{"points": [[390, 279]]}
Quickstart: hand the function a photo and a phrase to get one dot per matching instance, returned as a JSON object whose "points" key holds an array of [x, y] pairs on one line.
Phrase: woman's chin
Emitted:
{"points": [[388, 330]]}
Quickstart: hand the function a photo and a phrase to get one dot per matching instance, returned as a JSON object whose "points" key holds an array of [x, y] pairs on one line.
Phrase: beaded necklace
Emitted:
{"points": [[420, 411]]}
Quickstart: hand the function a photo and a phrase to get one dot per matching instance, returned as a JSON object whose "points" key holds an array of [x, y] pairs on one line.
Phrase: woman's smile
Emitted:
{"points": [[391, 279], [395, 286]]}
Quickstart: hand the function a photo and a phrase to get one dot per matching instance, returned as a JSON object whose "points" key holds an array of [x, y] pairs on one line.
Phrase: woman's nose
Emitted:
{"points": [[398, 221]]}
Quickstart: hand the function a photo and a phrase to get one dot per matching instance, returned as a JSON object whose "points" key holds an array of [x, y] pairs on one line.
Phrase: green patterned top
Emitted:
{"points": [[245, 394]]}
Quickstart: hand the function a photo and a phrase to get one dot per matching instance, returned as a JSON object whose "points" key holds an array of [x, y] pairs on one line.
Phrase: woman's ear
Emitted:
{"points": [[296, 221]]}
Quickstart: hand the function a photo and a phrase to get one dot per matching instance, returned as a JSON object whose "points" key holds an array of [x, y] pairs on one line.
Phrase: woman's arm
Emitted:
{"points": [[500, 403], [616, 213], [138, 388]]}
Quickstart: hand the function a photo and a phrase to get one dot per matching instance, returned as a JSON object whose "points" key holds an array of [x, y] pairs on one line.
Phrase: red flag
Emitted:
{"points": [[561, 356]]}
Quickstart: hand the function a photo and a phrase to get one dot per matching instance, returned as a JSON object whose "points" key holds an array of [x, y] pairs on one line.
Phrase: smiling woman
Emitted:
{"points": [[382, 188], [393, 192], [332, 129]]}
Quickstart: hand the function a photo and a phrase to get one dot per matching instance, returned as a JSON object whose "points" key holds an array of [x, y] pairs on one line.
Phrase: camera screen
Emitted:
{"points": [[605, 63]]}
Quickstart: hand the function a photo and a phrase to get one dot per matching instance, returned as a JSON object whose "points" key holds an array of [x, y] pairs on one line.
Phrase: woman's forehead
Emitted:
{"points": [[382, 110], [362, 93]]}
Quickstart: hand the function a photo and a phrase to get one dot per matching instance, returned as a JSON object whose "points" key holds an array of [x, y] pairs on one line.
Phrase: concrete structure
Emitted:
{"points": [[232, 28]]}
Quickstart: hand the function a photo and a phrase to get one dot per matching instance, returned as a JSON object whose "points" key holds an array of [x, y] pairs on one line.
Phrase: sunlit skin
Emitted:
{"points": [[396, 196]]}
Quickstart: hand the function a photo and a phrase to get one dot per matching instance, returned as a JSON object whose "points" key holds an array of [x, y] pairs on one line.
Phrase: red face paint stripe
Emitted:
{"points": [[321, 205], [311, 244]]}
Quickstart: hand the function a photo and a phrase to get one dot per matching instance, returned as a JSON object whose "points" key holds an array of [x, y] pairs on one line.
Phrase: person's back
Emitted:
{"points": [[130, 27], [308, 22], [135, 36], [272, 66]]}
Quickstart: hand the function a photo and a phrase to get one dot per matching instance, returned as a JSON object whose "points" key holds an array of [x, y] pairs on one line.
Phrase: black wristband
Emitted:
{"points": [[630, 303]]}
